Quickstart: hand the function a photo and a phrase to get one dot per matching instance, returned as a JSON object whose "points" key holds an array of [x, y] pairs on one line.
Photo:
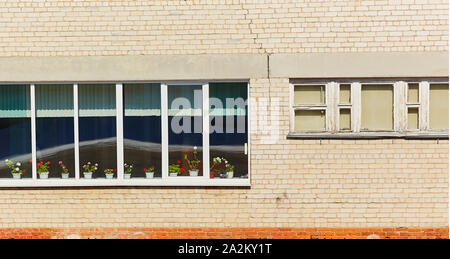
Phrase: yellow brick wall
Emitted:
{"points": [[295, 183], [123, 27]]}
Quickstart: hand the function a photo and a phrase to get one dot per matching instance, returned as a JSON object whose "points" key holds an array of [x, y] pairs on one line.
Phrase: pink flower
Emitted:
{"points": [[60, 162]]}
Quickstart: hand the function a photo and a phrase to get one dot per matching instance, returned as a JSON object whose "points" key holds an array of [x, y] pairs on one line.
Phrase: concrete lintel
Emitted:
{"points": [[341, 65], [131, 68]]}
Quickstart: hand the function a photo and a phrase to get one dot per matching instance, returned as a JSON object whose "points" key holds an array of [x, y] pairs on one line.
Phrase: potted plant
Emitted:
{"points": [[65, 171], [175, 169], [149, 172], [109, 173], [193, 164], [127, 171], [89, 169], [222, 167], [15, 169], [42, 169]]}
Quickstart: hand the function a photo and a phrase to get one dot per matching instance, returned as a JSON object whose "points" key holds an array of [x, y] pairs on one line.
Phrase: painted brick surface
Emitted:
{"points": [[121, 27], [318, 188]]}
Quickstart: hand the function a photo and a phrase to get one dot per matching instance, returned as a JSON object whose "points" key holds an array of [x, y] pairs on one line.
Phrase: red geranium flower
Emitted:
{"points": [[48, 162], [145, 169], [153, 166], [182, 169], [178, 161], [115, 170]]}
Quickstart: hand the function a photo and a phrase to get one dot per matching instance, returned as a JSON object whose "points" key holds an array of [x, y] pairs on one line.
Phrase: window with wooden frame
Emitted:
{"points": [[370, 107]]}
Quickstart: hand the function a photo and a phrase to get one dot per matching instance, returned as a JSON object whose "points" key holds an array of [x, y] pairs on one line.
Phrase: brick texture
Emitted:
{"points": [[223, 233], [122, 27]]}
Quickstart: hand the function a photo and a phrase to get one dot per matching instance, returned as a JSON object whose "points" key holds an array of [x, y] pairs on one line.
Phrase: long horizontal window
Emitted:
{"points": [[133, 134]]}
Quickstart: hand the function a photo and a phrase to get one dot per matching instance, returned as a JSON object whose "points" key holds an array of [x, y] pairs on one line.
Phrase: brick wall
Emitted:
{"points": [[300, 188], [121, 27]]}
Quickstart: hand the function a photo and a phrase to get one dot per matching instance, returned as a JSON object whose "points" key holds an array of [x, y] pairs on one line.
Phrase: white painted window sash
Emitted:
{"points": [[33, 130], [164, 132], [205, 135], [76, 134], [119, 130]]}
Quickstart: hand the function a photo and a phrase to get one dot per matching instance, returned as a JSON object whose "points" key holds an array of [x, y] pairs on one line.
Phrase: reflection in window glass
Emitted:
{"points": [[185, 130], [54, 129], [142, 129], [228, 130], [15, 129], [97, 127]]}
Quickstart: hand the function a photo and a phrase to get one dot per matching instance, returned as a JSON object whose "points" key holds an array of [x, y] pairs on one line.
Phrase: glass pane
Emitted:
{"points": [[15, 130], [413, 93], [142, 130], [377, 107], [309, 120], [309, 94], [344, 119], [185, 130], [97, 128], [54, 130], [228, 130], [344, 94], [439, 106], [413, 118]]}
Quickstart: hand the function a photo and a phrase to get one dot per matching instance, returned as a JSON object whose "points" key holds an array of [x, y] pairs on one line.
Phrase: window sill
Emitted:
{"points": [[371, 135], [182, 182]]}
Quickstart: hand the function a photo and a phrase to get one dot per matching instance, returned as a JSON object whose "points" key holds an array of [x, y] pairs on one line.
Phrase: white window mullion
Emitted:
{"points": [[424, 108], [164, 133], [76, 131], [33, 130], [400, 110], [355, 113], [205, 91], [119, 130]]}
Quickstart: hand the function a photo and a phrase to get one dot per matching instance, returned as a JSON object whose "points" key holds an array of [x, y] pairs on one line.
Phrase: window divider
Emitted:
{"points": [[164, 132], [400, 109], [205, 135], [76, 134], [33, 131], [355, 113], [424, 109], [119, 130]]}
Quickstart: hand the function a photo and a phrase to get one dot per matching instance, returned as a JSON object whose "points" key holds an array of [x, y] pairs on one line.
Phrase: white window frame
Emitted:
{"points": [[400, 108], [165, 180]]}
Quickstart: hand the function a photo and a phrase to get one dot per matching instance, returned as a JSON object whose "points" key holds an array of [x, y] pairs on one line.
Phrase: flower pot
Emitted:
{"points": [[43, 175], [173, 174], [17, 176], [87, 175], [109, 176], [193, 172], [211, 174], [127, 176], [149, 175], [230, 175], [64, 176]]}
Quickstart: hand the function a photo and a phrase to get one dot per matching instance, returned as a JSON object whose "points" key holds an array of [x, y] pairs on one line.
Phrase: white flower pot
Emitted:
{"points": [[193, 172], [149, 175], [109, 176], [127, 176], [17, 176], [64, 176], [87, 175], [230, 175], [43, 175], [173, 174]]}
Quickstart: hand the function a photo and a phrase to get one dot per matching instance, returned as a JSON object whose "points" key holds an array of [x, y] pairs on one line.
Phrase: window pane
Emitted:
{"points": [[54, 129], [185, 130], [228, 130], [15, 129], [344, 119], [439, 106], [309, 120], [413, 118], [142, 129], [413, 93], [344, 94], [309, 94], [97, 127], [377, 107]]}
